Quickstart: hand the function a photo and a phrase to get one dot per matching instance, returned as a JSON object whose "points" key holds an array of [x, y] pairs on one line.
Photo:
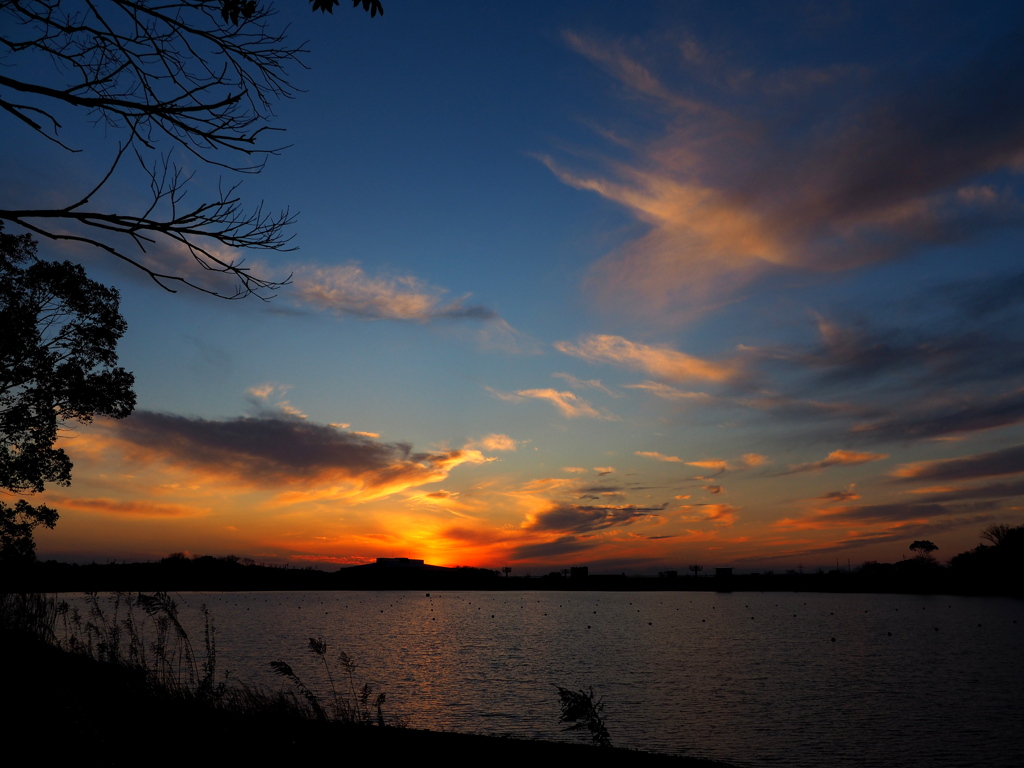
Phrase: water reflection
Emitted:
{"points": [[753, 679]]}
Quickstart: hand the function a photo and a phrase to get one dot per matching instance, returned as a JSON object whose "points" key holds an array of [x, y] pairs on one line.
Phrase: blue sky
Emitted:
{"points": [[587, 283]]}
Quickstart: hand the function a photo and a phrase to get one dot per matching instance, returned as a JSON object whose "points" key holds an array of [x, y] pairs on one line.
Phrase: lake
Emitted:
{"points": [[755, 679]]}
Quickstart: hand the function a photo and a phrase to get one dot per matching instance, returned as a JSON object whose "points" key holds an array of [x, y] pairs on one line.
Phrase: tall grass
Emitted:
{"points": [[346, 703], [144, 633], [584, 712], [31, 616]]}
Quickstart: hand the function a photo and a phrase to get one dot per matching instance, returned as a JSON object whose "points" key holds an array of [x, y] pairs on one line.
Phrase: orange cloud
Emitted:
{"points": [[876, 516], [1007, 461], [569, 405], [301, 460], [494, 443], [834, 459], [130, 508], [667, 392], [658, 456], [728, 197], [720, 514], [700, 239], [348, 290], [662, 361], [719, 465]]}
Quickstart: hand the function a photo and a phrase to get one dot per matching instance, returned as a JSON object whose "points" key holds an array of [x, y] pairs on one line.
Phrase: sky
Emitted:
{"points": [[632, 286]]}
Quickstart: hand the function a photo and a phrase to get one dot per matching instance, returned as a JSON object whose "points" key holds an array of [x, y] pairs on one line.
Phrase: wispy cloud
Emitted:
{"points": [[1008, 490], [574, 518], [572, 381], [836, 459], [660, 361], [946, 415], [728, 197], [348, 290], [564, 545], [668, 392], [1008, 461], [494, 442], [717, 465], [132, 508], [658, 456], [615, 60], [836, 496], [269, 399], [720, 514], [497, 334], [568, 404], [955, 349], [886, 513]]}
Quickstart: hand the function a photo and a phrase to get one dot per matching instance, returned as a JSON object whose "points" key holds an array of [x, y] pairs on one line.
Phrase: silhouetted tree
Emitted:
{"points": [[198, 76], [58, 364], [696, 569], [506, 570], [923, 548], [17, 524], [995, 567], [996, 534]]}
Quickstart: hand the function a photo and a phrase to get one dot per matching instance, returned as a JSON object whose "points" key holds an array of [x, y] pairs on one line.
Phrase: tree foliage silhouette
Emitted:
{"points": [[197, 77], [996, 534], [923, 548], [58, 364]]}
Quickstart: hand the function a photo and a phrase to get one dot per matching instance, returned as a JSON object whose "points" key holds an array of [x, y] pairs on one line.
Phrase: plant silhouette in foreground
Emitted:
{"points": [[27, 616], [145, 635], [160, 649], [352, 706], [580, 709]]}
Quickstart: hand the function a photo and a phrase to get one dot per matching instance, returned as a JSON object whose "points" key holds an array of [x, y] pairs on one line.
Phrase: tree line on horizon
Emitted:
{"points": [[992, 567]]}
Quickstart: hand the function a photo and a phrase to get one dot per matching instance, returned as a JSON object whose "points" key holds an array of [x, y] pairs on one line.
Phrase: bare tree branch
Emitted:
{"points": [[199, 76], [220, 221]]}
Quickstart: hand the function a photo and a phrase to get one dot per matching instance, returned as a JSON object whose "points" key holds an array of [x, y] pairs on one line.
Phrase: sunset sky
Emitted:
{"points": [[627, 285]]}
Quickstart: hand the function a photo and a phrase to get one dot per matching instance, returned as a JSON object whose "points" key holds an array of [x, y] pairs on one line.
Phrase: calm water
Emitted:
{"points": [[752, 679]]}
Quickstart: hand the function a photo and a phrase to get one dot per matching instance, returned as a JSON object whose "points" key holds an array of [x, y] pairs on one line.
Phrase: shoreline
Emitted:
{"points": [[228, 574], [75, 705]]}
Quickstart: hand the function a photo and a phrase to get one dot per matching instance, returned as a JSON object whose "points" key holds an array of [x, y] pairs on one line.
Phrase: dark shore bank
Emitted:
{"points": [[991, 571], [65, 707]]}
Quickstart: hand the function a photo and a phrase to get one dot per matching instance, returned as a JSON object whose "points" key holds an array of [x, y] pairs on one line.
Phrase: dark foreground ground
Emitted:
{"points": [[63, 707]]}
